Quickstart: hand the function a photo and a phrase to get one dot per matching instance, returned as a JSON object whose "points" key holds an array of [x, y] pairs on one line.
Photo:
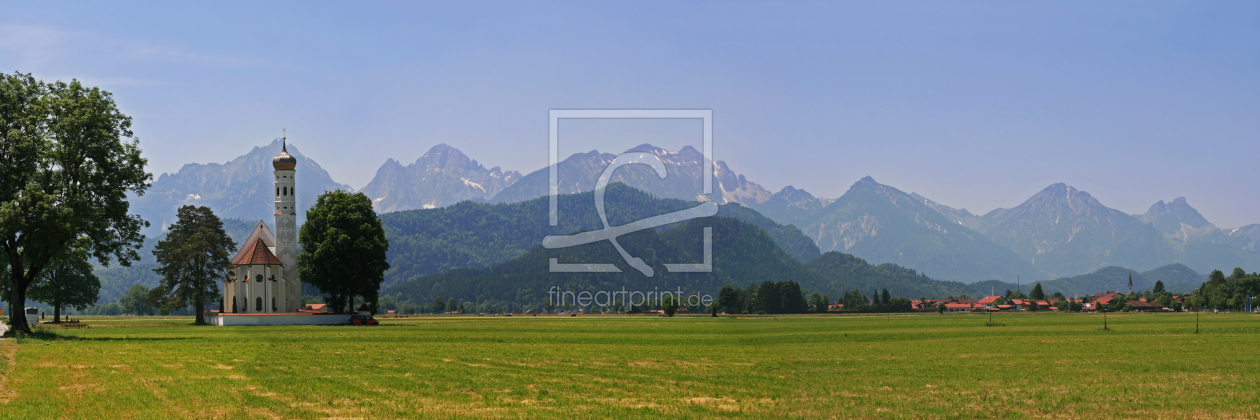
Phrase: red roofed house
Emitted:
{"points": [[316, 307], [989, 302]]}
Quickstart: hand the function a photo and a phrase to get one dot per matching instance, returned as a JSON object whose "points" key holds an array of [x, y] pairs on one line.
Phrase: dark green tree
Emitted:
{"points": [[451, 306], [439, 304], [1216, 277], [728, 298], [1037, 294], [817, 302], [68, 282], [343, 248], [669, 305], [65, 172], [193, 258], [886, 297], [136, 301]]}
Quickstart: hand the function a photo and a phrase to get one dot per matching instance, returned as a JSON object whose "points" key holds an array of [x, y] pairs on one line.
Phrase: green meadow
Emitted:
{"points": [[809, 366]]}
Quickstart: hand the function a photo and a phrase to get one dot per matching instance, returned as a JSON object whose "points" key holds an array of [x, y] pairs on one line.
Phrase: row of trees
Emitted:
{"points": [[1235, 292], [769, 297]]}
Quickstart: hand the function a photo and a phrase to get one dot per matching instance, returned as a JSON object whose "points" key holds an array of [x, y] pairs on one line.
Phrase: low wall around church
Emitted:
{"points": [[278, 319]]}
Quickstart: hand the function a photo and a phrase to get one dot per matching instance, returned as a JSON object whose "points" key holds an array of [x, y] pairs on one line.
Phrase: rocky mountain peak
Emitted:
{"points": [[1061, 197], [442, 176], [1176, 217], [649, 148]]}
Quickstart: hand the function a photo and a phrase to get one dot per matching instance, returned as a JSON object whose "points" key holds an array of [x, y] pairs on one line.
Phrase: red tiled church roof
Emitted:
{"points": [[258, 254]]}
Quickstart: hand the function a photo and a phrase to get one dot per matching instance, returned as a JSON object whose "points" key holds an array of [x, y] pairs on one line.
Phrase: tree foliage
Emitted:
{"points": [[343, 248], [65, 172], [136, 301], [68, 282], [194, 257]]}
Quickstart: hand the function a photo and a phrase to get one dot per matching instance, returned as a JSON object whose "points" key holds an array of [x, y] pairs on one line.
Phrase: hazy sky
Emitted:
{"points": [[973, 104]]}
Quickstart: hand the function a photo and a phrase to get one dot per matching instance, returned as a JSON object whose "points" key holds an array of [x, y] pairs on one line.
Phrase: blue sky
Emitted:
{"points": [[974, 104]]}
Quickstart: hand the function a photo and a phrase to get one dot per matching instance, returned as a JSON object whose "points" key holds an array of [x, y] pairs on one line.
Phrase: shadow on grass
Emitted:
{"points": [[40, 334]]}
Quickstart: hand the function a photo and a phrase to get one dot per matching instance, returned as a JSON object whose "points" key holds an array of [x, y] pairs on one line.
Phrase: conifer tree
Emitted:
{"points": [[194, 257]]}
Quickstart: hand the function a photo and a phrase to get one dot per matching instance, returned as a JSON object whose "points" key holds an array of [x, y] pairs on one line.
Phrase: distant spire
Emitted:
{"points": [[1130, 282]]}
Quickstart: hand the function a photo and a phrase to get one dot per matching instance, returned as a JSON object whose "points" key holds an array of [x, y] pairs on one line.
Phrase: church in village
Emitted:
{"points": [[266, 289]]}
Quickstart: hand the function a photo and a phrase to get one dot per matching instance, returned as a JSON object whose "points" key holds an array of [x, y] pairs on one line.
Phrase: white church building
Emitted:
{"points": [[266, 289]]}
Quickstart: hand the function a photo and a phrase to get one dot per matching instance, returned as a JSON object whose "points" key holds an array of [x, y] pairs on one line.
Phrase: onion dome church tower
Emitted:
{"points": [[286, 224], [266, 279]]}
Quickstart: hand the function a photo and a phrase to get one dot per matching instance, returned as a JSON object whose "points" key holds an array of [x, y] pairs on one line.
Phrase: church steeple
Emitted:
{"points": [[1130, 283], [286, 228]]}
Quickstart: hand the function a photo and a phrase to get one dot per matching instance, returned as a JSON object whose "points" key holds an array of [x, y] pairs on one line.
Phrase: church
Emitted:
{"points": [[266, 289]]}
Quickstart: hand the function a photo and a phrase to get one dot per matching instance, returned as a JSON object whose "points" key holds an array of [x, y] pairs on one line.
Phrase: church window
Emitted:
{"points": [[273, 304], [259, 278], [258, 303], [277, 191], [286, 190]]}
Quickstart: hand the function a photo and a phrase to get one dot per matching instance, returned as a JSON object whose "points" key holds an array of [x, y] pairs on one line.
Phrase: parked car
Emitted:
{"points": [[363, 320]]}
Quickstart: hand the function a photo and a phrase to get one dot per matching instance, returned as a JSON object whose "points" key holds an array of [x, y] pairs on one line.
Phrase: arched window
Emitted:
{"points": [[277, 191], [258, 304], [286, 190], [273, 304]]}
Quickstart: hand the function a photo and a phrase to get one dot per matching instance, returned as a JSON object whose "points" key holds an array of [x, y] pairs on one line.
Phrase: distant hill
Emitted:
{"points": [[241, 188], [742, 254], [477, 235], [441, 177], [839, 273], [1177, 278]]}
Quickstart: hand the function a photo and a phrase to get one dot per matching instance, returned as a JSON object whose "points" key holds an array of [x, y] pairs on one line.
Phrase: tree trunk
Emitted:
{"points": [[201, 317], [17, 301], [56, 312]]}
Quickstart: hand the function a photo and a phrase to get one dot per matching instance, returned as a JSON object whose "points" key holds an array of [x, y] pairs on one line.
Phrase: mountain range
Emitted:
{"points": [[1059, 232], [441, 177], [240, 188]]}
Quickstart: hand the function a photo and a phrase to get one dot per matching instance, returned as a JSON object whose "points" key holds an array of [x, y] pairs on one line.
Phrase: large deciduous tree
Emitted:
{"points": [[68, 282], [343, 249], [65, 171], [195, 255]]}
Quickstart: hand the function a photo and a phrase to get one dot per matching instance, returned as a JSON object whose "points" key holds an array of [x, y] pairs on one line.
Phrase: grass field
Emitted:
{"points": [[911, 366]]}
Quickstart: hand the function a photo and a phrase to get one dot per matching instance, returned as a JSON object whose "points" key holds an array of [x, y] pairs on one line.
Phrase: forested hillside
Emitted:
{"points": [[742, 254], [478, 235], [839, 272]]}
